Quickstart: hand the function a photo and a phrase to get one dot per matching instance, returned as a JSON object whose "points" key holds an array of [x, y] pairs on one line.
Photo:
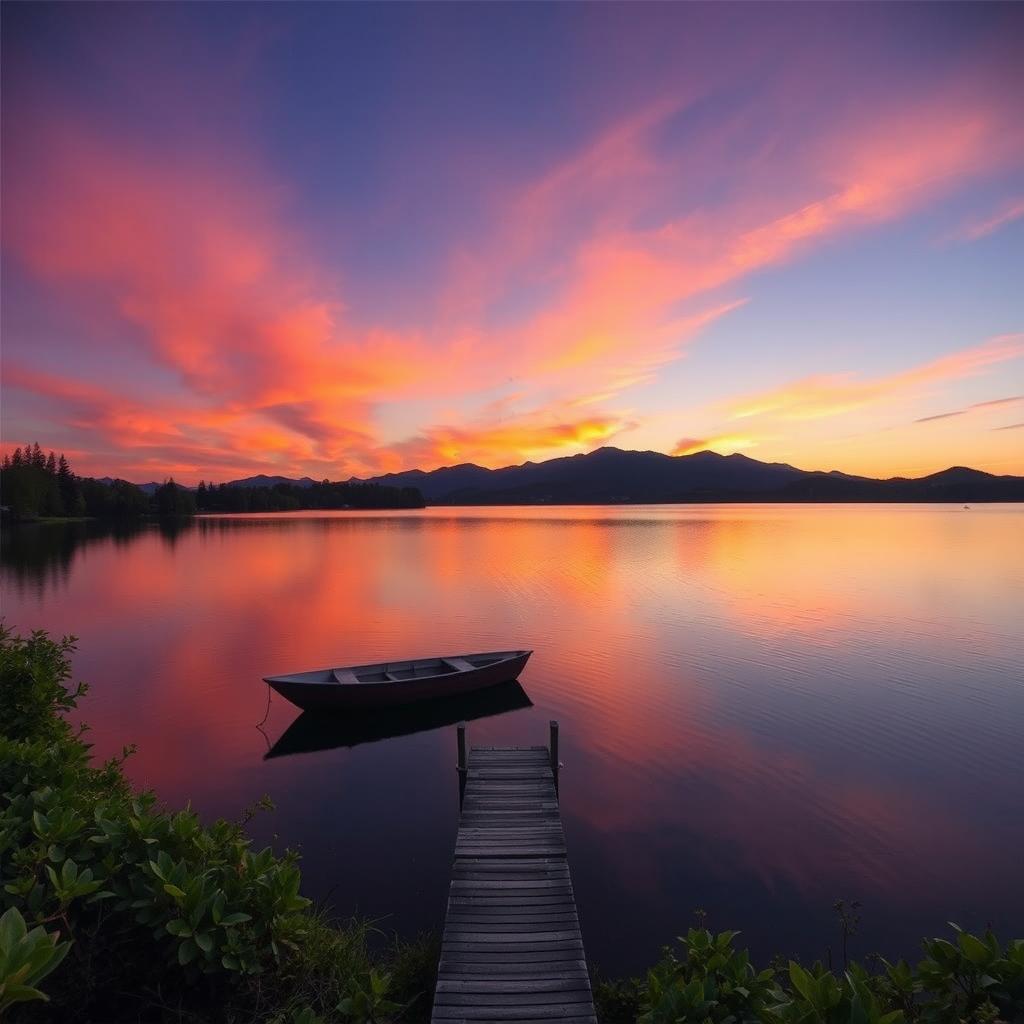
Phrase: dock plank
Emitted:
{"points": [[512, 951]]}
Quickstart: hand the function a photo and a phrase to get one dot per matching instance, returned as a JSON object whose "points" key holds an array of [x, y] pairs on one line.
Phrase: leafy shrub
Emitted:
{"points": [[972, 981], [152, 901], [33, 672]]}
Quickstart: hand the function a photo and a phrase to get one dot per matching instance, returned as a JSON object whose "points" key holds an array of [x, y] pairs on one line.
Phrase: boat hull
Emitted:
{"points": [[334, 696]]}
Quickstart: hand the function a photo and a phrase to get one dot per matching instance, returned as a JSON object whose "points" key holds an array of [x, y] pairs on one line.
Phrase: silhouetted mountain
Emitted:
{"points": [[262, 480], [149, 488], [614, 476]]}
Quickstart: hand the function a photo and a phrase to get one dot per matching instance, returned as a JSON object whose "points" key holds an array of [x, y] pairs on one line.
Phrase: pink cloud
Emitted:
{"points": [[830, 395], [1006, 214]]}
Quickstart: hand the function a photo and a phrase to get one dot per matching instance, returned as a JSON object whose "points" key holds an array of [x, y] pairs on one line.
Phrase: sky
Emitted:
{"points": [[347, 239]]}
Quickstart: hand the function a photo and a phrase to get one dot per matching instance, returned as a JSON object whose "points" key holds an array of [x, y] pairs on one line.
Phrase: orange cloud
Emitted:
{"points": [[723, 444], [537, 434]]}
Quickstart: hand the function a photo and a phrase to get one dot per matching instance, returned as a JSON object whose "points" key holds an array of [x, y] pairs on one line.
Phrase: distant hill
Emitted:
{"points": [[262, 480], [613, 476], [149, 488]]}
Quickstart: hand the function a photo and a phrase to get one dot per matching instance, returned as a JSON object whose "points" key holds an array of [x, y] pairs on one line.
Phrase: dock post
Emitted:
{"points": [[553, 751], [461, 766]]}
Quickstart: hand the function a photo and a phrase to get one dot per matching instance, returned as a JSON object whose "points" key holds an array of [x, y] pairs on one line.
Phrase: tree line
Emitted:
{"points": [[291, 497], [37, 485]]}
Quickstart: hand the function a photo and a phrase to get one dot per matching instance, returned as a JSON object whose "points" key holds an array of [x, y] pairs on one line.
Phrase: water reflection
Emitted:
{"points": [[313, 731], [763, 708]]}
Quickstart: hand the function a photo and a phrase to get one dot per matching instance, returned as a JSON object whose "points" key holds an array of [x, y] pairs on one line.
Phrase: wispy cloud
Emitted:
{"points": [[1006, 214], [993, 403], [823, 396]]}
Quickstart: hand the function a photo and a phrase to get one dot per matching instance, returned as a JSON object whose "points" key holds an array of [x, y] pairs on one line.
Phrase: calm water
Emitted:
{"points": [[762, 708]]}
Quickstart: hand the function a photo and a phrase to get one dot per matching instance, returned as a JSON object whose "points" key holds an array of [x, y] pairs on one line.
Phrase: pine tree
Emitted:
{"points": [[70, 491], [51, 464]]}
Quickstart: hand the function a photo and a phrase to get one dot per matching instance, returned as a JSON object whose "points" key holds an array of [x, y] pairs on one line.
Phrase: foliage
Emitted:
{"points": [[26, 957], [617, 1000], [367, 1000], [151, 900], [34, 671], [171, 500], [972, 980], [35, 485], [284, 497]]}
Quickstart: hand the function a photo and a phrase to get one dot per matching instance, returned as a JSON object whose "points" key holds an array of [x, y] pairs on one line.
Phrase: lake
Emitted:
{"points": [[763, 708]]}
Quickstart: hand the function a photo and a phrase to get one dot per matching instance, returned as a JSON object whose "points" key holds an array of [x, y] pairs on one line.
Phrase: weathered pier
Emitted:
{"points": [[512, 949]]}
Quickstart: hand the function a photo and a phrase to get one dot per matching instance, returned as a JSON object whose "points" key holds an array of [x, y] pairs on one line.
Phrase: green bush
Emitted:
{"points": [[174, 915], [971, 980]]}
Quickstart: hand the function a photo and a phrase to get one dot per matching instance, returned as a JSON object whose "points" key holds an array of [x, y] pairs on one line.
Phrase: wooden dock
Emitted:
{"points": [[512, 949]]}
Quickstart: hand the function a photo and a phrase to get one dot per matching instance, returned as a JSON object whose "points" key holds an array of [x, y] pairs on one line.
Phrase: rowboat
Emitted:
{"points": [[398, 682]]}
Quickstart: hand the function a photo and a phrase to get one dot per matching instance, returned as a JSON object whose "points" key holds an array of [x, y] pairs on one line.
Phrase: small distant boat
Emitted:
{"points": [[398, 682]]}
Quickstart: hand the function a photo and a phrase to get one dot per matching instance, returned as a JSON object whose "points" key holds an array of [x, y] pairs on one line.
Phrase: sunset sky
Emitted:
{"points": [[349, 239]]}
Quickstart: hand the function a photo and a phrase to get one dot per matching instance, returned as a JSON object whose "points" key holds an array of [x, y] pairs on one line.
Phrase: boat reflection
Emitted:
{"points": [[318, 730]]}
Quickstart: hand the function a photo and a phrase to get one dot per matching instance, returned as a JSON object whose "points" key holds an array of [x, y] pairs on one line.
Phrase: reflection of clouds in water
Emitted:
{"points": [[772, 706]]}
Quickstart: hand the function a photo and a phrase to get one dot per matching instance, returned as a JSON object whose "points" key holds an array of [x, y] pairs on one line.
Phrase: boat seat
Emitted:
{"points": [[461, 664], [344, 675]]}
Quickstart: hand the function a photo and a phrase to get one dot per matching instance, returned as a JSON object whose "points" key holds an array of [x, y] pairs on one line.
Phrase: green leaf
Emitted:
{"points": [[236, 918], [204, 940], [187, 952], [12, 929], [173, 890], [802, 981], [974, 949], [21, 994], [179, 928]]}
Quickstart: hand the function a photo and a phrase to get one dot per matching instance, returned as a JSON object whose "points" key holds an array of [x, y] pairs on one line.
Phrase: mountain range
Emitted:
{"points": [[614, 476], [260, 480]]}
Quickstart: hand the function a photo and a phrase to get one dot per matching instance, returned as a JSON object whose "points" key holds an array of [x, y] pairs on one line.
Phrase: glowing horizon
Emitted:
{"points": [[332, 240]]}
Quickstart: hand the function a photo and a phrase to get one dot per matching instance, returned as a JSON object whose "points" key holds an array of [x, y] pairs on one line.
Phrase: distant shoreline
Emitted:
{"points": [[695, 502]]}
